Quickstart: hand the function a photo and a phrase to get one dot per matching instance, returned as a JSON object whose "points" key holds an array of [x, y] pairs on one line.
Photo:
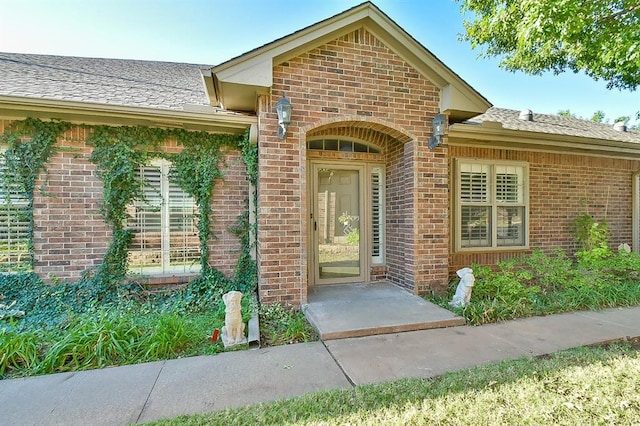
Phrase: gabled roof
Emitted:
{"points": [[235, 84], [503, 128], [116, 87]]}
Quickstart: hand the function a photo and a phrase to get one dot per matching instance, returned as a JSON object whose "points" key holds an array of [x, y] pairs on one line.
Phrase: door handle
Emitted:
{"points": [[315, 225]]}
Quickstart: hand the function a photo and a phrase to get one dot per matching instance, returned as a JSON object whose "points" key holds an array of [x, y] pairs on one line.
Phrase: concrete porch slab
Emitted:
{"points": [[366, 309]]}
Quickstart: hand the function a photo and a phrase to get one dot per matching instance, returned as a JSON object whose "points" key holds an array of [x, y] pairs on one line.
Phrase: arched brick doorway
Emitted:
{"points": [[358, 203]]}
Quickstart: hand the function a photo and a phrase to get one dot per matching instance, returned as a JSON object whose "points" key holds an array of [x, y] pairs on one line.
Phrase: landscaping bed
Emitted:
{"points": [[550, 283], [78, 326]]}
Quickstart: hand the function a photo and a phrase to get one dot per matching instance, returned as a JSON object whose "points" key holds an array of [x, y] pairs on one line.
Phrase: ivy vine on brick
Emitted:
{"points": [[119, 153], [29, 145], [195, 170]]}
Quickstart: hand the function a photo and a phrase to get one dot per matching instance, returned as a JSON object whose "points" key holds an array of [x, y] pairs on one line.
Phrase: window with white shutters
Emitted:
{"points": [[15, 219], [377, 215], [164, 224], [491, 204]]}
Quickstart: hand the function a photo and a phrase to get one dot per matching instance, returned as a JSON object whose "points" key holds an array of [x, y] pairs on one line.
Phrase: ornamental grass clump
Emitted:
{"points": [[93, 340], [170, 336], [20, 351]]}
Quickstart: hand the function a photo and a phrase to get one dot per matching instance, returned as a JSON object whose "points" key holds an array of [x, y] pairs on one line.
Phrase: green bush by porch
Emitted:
{"points": [[549, 283]]}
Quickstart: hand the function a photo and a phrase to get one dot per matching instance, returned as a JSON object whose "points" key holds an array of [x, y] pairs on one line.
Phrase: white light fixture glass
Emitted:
{"points": [[283, 108], [439, 129]]}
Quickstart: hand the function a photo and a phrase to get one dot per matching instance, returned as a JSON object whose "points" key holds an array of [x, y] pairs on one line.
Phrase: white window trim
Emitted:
{"points": [[457, 208], [165, 267], [636, 213], [20, 203], [339, 139], [380, 171]]}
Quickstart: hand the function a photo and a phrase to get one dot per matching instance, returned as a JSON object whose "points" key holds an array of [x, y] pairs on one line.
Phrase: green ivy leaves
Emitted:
{"points": [[29, 145], [118, 153]]}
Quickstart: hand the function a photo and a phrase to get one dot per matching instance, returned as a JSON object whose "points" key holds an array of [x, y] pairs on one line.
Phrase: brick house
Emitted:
{"points": [[358, 189]]}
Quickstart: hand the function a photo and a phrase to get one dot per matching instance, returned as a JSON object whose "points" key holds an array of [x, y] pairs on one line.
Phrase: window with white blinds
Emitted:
{"points": [[164, 224], [491, 205], [377, 215], [15, 218]]}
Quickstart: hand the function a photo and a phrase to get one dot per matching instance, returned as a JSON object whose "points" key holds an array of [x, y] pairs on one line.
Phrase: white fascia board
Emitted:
{"points": [[257, 72], [15, 107], [493, 135], [242, 66]]}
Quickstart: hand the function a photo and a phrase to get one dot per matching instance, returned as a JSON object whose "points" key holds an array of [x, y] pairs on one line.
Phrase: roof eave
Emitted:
{"points": [[492, 135], [255, 68], [16, 108]]}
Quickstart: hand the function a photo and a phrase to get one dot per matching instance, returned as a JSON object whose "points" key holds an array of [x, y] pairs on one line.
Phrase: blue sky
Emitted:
{"points": [[213, 31]]}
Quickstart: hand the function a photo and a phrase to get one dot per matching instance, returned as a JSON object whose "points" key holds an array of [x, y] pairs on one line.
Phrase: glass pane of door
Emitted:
{"points": [[338, 224]]}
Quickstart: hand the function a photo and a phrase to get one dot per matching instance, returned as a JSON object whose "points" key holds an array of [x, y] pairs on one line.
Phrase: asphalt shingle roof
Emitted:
{"points": [[132, 83], [172, 86], [555, 124]]}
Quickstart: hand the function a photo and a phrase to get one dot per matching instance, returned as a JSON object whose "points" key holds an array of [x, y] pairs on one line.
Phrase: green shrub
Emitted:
{"points": [[511, 282], [23, 288], [542, 284], [353, 237], [203, 292], [550, 271], [593, 237]]}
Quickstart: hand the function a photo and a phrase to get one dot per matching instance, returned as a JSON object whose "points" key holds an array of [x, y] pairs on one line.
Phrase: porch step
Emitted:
{"points": [[366, 309]]}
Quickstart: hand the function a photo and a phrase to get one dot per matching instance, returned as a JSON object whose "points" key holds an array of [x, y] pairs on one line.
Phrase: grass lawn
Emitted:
{"points": [[596, 385]]}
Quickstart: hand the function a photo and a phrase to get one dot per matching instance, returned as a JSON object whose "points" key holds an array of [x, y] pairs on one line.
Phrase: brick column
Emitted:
{"points": [[281, 273]]}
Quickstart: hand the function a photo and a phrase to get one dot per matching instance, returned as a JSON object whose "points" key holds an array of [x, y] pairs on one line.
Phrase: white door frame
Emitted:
{"points": [[313, 229], [635, 214]]}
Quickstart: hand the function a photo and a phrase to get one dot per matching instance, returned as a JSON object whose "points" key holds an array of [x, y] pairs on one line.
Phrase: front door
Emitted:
{"points": [[337, 223]]}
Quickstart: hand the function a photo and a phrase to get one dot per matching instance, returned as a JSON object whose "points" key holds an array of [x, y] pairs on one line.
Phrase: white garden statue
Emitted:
{"points": [[463, 292], [624, 248], [233, 330]]}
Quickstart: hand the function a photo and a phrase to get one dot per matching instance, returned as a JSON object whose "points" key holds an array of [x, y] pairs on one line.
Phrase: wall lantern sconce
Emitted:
{"points": [[283, 108], [439, 129]]}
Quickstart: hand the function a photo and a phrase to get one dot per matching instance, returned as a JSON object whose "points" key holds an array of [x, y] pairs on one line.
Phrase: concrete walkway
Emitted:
{"points": [[145, 392], [357, 310]]}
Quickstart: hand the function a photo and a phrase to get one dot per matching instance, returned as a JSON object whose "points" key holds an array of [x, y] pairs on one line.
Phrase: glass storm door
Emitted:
{"points": [[337, 223]]}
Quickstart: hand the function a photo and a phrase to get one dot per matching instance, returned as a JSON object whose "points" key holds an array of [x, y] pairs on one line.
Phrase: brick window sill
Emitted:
{"points": [[163, 280]]}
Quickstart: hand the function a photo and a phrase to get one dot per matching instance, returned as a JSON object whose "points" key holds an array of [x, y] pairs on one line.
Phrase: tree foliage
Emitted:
{"points": [[599, 37], [600, 117]]}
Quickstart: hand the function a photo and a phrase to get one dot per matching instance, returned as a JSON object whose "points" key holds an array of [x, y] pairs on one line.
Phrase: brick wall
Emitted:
{"points": [[354, 82], [561, 186], [229, 201], [70, 235], [399, 214]]}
